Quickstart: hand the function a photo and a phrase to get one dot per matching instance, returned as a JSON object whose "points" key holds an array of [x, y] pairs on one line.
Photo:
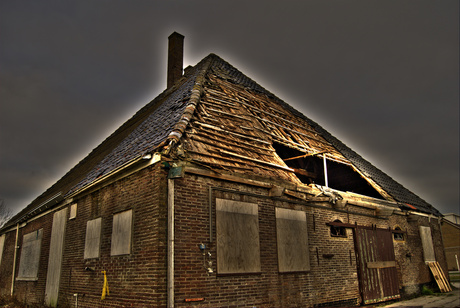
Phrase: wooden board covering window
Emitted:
{"points": [[30, 255], [2, 243], [427, 244], [237, 228], [292, 240], [93, 238], [53, 276], [121, 233]]}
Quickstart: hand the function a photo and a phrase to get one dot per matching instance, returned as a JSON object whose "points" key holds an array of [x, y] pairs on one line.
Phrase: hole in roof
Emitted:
{"points": [[310, 169]]}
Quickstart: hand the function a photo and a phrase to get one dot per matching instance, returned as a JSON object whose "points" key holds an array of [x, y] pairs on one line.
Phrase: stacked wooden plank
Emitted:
{"points": [[234, 129], [438, 274]]}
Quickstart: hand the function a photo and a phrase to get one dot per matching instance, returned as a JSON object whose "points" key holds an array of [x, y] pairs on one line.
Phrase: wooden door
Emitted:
{"points": [[55, 258], [378, 278]]}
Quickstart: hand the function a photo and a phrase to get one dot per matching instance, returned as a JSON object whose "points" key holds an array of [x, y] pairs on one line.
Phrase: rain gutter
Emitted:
{"points": [[152, 159]]}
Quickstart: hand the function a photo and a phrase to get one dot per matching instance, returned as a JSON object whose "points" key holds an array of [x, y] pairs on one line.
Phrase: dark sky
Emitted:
{"points": [[382, 76]]}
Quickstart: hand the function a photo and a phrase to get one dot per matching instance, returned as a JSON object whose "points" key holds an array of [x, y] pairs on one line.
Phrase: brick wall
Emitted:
{"points": [[268, 288], [26, 291], [139, 279], [331, 279], [6, 265]]}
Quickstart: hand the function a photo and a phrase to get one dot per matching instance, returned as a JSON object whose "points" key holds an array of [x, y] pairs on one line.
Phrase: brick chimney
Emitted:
{"points": [[175, 58]]}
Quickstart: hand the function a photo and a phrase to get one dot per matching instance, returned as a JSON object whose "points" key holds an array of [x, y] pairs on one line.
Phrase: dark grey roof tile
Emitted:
{"points": [[152, 124]]}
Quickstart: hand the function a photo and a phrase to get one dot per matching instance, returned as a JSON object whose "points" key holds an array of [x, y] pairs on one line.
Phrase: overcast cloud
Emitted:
{"points": [[382, 76]]}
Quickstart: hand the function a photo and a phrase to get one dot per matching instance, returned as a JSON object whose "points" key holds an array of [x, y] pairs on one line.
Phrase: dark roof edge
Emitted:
{"points": [[236, 77], [197, 91], [453, 224], [55, 189]]}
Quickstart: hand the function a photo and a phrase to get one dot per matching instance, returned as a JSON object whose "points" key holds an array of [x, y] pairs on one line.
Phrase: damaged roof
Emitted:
{"points": [[218, 117]]}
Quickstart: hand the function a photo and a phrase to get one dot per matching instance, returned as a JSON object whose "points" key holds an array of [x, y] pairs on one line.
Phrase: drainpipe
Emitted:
{"points": [[16, 247], [170, 272]]}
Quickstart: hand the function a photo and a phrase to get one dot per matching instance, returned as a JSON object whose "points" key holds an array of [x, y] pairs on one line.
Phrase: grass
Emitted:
{"points": [[13, 302], [426, 291]]}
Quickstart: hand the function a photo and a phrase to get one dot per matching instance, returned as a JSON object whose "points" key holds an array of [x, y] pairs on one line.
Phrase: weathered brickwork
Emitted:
{"points": [[26, 291], [268, 288], [6, 266], [333, 276], [139, 279]]}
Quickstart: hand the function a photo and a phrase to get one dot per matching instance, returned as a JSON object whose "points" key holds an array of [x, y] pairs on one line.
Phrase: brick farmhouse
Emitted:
{"points": [[218, 193]]}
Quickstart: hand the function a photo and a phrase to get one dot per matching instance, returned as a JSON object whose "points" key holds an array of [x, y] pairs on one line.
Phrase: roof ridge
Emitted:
{"points": [[197, 90], [453, 224]]}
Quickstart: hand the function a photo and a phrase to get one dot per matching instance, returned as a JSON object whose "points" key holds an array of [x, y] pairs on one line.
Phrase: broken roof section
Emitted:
{"points": [[216, 116], [240, 127]]}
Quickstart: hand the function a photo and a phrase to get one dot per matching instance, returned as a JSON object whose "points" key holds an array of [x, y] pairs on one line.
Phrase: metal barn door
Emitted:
{"points": [[378, 278]]}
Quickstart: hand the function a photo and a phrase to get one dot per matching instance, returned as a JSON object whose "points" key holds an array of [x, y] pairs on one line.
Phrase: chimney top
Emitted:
{"points": [[174, 34], [175, 58]]}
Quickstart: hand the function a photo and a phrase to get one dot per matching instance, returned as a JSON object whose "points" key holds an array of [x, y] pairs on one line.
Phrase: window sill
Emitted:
{"points": [[26, 278]]}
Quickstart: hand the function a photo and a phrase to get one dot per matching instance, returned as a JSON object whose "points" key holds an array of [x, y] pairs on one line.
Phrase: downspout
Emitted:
{"points": [[170, 271], [16, 247]]}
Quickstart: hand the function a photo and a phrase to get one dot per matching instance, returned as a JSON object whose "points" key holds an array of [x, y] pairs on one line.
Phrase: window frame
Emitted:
{"points": [[121, 240], [29, 261], [2, 244], [398, 234], [341, 230], [237, 222], [292, 240], [73, 211], [429, 254], [93, 244]]}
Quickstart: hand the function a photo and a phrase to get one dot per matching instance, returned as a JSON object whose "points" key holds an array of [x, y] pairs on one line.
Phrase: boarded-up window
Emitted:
{"points": [[53, 276], [73, 211], [121, 233], [427, 244], [292, 240], [237, 228], [93, 238], [2, 243], [30, 255]]}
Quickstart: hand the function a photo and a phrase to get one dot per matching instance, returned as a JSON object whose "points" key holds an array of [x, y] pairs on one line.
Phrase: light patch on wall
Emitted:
{"points": [[2, 243], [73, 211], [30, 255], [292, 240], [93, 238], [121, 233], [427, 244], [237, 229]]}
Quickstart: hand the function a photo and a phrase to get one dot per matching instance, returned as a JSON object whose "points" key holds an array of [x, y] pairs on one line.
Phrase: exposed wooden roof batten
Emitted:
{"points": [[222, 118]]}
